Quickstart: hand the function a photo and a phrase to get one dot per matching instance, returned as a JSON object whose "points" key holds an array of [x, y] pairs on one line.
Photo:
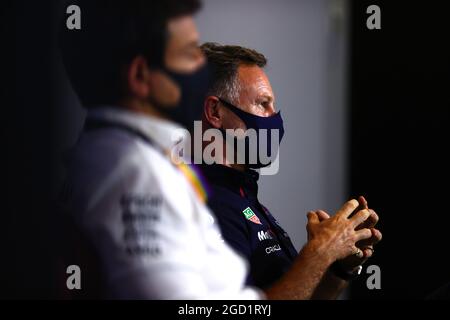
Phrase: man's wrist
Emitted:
{"points": [[345, 273], [315, 250]]}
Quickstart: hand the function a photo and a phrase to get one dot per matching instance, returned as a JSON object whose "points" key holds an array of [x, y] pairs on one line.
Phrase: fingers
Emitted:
{"points": [[363, 234], [312, 217], [322, 215], [357, 252], [368, 251], [363, 202], [373, 218], [347, 208], [370, 222], [360, 217], [367, 245], [374, 239], [377, 235]]}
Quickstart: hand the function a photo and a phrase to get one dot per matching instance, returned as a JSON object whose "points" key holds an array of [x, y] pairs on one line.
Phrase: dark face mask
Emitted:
{"points": [[252, 121], [193, 87]]}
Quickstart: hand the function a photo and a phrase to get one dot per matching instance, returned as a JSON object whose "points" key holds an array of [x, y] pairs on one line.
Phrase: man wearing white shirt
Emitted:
{"points": [[153, 233], [149, 226]]}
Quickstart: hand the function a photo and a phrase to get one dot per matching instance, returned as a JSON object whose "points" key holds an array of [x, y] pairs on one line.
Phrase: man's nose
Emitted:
{"points": [[270, 110]]}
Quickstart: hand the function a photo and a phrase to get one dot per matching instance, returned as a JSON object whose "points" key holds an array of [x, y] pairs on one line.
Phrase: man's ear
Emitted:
{"points": [[138, 76], [211, 112]]}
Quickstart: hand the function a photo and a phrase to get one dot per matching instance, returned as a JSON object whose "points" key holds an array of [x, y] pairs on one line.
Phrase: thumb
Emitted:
{"points": [[312, 217], [322, 215]]}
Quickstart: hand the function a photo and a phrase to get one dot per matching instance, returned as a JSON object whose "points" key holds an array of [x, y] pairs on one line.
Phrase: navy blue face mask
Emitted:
{"points": [[193, 88], [255, 122]]}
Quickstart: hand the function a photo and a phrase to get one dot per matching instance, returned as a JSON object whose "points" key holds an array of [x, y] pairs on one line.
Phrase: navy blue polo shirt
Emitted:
{"points": [[247, 225]]}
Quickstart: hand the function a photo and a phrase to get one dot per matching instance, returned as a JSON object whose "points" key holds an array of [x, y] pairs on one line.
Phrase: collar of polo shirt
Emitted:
{"points": [[161, 131]]}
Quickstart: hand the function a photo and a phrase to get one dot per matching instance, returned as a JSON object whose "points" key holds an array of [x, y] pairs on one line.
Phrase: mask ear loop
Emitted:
{"points": [[231, 107], [237, 111]]}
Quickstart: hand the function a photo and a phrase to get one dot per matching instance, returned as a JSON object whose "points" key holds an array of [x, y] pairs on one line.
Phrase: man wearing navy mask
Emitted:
{"points": [[240, 97]]}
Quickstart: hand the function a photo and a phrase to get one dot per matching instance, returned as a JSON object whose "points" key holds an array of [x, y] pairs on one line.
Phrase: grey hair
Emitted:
{"points": [[228, 90]]}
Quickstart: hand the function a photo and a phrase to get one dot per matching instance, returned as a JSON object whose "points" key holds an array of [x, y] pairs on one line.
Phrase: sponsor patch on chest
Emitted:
{"points": [[250, 215]]}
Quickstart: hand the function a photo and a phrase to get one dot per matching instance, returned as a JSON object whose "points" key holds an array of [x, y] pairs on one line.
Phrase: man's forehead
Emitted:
{"points": [[254, 80]]}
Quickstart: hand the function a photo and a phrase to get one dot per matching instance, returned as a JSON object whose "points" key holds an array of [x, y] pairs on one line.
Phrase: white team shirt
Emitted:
{"points": [[155, 238]]}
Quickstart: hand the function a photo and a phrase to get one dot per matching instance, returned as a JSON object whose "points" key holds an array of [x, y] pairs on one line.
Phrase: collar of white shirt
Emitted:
{"points": [[163, 132]]}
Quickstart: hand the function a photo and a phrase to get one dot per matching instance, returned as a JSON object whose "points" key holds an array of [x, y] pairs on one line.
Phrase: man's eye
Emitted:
{"points": [[265, 104]]}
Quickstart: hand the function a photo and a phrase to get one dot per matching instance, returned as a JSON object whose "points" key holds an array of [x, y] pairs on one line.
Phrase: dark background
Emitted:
{"points": [[399, 111], [27, 160], [399, 141]]}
